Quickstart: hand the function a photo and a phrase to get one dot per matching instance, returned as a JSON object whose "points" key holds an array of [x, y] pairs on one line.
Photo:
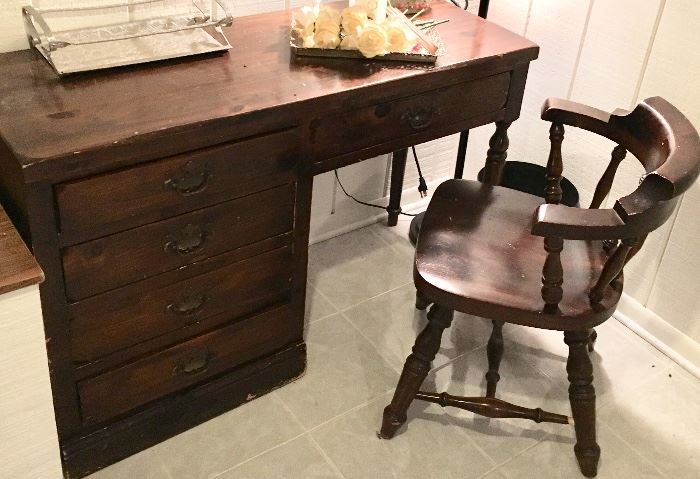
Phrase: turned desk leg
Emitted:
{"points": [[398, 168], [497, 154]]}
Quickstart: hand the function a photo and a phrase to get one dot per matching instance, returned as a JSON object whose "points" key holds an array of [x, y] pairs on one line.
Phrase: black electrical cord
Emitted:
{"points": [[466, 4], [385, 208], [422, 186]]}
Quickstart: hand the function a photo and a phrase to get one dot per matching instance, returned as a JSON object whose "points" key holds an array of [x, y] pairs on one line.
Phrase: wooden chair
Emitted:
{"points": [[498, 253]]}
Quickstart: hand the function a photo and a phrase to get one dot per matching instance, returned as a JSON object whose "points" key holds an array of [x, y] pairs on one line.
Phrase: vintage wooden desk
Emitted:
{"points": [[169, 206]]}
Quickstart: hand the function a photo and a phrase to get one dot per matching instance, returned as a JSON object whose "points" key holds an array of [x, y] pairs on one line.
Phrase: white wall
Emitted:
{"points": [[27, 426], [607, 53]]}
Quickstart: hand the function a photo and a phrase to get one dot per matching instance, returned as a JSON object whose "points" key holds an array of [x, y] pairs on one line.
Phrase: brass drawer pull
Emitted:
{"points": [[189, 180], [418, 118], [190, 239], [195, 362], [187, 305]]}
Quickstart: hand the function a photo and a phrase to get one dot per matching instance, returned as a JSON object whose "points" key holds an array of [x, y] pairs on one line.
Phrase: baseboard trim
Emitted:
{"points": [[675, 344], [415, 205]]}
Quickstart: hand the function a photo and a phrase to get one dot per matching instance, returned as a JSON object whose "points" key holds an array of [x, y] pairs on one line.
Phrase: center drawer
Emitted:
{"points": [[185, 364], [438, 111], [106, 263], [127, 316]]}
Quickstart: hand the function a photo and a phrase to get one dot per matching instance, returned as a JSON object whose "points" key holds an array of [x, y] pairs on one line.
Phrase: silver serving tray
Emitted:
{"points": [[146, 31]]}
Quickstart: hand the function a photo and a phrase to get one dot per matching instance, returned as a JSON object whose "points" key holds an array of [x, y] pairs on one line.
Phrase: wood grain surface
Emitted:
{"points": [[18, 268]]}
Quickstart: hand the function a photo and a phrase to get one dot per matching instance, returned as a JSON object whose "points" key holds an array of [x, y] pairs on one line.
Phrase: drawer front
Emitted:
{"points": [[135, 384], [127, 316], [106, 263], [113, 202], [381, 123]]}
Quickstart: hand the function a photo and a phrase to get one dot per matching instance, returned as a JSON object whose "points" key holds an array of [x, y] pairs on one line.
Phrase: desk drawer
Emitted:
{"points": [[433, 111], [105, 204], [175, 368], [106, 263], [127, 316]]}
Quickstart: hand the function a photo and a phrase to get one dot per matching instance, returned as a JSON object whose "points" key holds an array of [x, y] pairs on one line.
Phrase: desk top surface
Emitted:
{"points": [[44, 118]]}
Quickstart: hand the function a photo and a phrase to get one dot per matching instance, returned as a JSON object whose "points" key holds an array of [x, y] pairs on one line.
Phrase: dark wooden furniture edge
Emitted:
{"points": [[180, 412], [18, 268]]}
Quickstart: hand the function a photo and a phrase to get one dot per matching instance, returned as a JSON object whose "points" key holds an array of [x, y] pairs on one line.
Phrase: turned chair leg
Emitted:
{"points": [[582, 398], [494, 353], [422, 302], [415, 370], [592, 340]]}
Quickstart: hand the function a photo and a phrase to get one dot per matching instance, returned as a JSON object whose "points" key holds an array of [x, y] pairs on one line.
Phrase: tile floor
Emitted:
{"points": [[361, 325]]}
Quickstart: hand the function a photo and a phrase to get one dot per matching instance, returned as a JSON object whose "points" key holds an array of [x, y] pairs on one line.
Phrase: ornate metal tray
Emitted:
{"points": [[126, 32], [420, 54]]}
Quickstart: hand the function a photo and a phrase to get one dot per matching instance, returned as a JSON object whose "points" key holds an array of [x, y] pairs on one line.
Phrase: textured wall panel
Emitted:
{"points": [[27, 424]]}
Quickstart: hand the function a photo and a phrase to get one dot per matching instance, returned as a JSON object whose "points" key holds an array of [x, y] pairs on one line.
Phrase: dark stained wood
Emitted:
{"points": [[494, 354], [18, 268], [96, 164], [178, 412], [501, 279], [553, 274], [480, 252], [169, 244], [613, 268], [185, 364], [415, 370], [555, 167], [606, 181], [492, 407], [497, 154], [125, 317], [436, 111], [195, 103], [105, 204], [398, 171], [422, 302], [582, 398]]}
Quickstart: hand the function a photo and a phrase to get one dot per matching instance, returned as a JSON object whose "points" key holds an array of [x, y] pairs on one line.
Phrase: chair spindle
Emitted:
{"points": [[553, 272], [613, 267], [555, 167], [606, 181]]}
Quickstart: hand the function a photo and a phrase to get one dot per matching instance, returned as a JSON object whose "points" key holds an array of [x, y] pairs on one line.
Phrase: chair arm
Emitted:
{"points": [[577, 223], [567, 112]]}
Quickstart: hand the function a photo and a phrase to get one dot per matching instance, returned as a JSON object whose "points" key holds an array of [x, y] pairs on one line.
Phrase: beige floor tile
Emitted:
{"points": [[391, 322], [344, 371], [229, 439], [621, 361], [429, 448], [144, 465], [556, 460], [297, 459], [661, 421], [396, 236], [496, 474], [317, 307], [357, 266], [520, 384]]}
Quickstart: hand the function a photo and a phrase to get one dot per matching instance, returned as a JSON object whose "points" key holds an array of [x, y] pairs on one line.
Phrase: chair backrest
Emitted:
{"points": [[668, 147]]}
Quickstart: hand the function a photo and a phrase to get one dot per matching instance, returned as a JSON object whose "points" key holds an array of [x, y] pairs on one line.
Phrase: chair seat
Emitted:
{"points": [[475, 254]]}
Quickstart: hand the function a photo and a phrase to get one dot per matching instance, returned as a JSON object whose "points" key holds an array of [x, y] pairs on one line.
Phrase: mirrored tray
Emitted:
{"points": [[421, 55], [427, 50], [109, 34]]}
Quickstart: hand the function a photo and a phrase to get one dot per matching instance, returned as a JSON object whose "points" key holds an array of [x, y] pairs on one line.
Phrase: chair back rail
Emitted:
{"points": [[667, 146]]}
